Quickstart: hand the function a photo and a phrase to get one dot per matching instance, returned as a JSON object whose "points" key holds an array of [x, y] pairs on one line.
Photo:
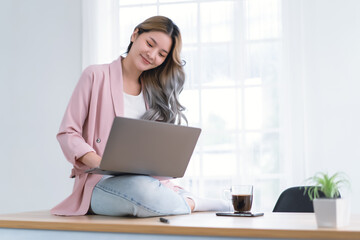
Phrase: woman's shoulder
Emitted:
{"points": [[95, 73], [96, 69], [100, 73]]}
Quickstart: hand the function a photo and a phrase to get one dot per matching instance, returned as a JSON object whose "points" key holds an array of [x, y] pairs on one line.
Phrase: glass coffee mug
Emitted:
{"points": [[241, 197]]}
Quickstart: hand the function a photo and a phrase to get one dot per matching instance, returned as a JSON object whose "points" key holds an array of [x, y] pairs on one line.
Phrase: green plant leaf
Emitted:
{"points": [[329, 185]]}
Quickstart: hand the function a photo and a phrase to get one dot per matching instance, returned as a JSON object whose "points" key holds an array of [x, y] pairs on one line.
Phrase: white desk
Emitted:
{"points": [[43, 225]]}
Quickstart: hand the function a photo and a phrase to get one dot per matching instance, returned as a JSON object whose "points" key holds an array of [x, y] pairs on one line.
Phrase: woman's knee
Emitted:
{"points": [[143, 193]]}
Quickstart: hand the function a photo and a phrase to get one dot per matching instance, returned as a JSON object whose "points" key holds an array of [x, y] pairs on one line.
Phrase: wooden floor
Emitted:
{"points": [[271, 225]]}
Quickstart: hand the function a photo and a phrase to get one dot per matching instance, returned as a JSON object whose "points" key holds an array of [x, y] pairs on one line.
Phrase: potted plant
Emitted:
{"points": [[331, 210]]}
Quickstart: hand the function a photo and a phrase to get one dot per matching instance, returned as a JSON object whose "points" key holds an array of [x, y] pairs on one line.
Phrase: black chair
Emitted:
{"points": [[294, 200]]}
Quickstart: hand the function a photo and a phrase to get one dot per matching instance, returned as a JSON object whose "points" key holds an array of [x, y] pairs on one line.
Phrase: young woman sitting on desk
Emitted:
{"points": [[145, 84]]}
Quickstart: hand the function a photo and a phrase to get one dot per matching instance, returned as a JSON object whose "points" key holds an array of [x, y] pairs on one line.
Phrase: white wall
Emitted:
{"points": [[40, 62], [331, 34]]}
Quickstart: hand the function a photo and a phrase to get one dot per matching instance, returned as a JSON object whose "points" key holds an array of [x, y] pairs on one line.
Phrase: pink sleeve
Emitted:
{"points": [[70, 135]]}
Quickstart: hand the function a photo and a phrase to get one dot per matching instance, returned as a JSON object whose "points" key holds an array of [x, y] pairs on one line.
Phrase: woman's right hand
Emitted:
{"points": [[90, 159]]}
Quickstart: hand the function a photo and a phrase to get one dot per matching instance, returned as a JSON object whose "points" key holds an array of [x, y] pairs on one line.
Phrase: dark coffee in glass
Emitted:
{"points": [[241, 197], [242, 203]]}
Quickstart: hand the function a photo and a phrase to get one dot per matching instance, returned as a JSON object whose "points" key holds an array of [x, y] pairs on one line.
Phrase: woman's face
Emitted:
{"points": [[149, 49]]}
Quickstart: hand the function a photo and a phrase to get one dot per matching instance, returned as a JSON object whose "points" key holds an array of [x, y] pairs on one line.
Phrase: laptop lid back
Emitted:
{"points": [[148, 147]]}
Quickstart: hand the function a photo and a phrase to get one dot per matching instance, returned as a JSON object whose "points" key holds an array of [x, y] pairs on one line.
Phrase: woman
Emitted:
{"points": [[145, 84]]}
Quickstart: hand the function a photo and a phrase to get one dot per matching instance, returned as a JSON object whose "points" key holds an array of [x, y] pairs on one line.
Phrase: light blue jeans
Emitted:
{"points": [[133, 195]]}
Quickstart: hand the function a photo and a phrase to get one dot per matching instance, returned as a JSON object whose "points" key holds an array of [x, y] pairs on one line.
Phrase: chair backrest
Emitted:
{"points": [[294, 200]]}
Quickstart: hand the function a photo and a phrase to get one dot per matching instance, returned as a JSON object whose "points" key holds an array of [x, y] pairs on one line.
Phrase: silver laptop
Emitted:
{"points": [[148, 148]]}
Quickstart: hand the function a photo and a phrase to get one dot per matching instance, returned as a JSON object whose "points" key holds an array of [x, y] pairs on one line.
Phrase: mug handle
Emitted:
{"points": [[227, 194]]}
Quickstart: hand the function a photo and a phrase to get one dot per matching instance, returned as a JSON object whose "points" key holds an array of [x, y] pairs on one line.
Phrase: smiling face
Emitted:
{"points": [[149, 49]]}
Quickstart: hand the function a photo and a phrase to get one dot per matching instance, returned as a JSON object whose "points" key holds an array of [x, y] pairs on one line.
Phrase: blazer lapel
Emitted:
{"points": [[116, 85]]}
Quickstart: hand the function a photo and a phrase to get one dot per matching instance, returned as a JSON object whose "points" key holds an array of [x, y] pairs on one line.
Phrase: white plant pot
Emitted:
{"points": [[332, 213]]}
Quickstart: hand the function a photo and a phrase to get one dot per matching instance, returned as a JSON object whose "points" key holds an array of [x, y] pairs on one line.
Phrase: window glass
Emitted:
{"points": [[266, 193], [191, 57], [218, 110], [253, 108], [174, 1], [185, 17], [190, 99], [217, 21], [135, 2], [262, 62], [262, 150], [129, 18], [194, 167], [219, 164], [263, 18], [216, 67]]}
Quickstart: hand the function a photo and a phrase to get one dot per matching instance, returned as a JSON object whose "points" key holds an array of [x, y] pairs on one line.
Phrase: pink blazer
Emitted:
{"points": [[96, 100]]}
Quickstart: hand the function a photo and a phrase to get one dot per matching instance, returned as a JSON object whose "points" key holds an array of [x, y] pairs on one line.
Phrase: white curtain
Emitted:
{"points": [[292, 88], [100, 27]]}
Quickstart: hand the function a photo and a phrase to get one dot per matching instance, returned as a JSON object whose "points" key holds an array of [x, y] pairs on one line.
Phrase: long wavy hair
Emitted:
{"points": [[163, 84]]}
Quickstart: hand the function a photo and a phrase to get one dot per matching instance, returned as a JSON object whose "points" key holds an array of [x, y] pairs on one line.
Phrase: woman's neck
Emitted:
{"points": [[129, 70], [130, 77]]}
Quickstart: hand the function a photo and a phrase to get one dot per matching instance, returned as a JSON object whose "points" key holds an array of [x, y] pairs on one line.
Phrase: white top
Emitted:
{"points": [[134, 106]]}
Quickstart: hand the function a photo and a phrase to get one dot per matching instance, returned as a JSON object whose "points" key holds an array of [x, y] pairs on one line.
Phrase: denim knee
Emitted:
{"points": [[141, 196]]}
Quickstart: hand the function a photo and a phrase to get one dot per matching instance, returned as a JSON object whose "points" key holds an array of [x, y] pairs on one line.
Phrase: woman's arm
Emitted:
{"points": [[70, 133], [91, 159]]}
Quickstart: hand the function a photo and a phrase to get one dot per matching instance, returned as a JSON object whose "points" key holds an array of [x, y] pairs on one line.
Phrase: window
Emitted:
{"points": [[233, 54]]}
